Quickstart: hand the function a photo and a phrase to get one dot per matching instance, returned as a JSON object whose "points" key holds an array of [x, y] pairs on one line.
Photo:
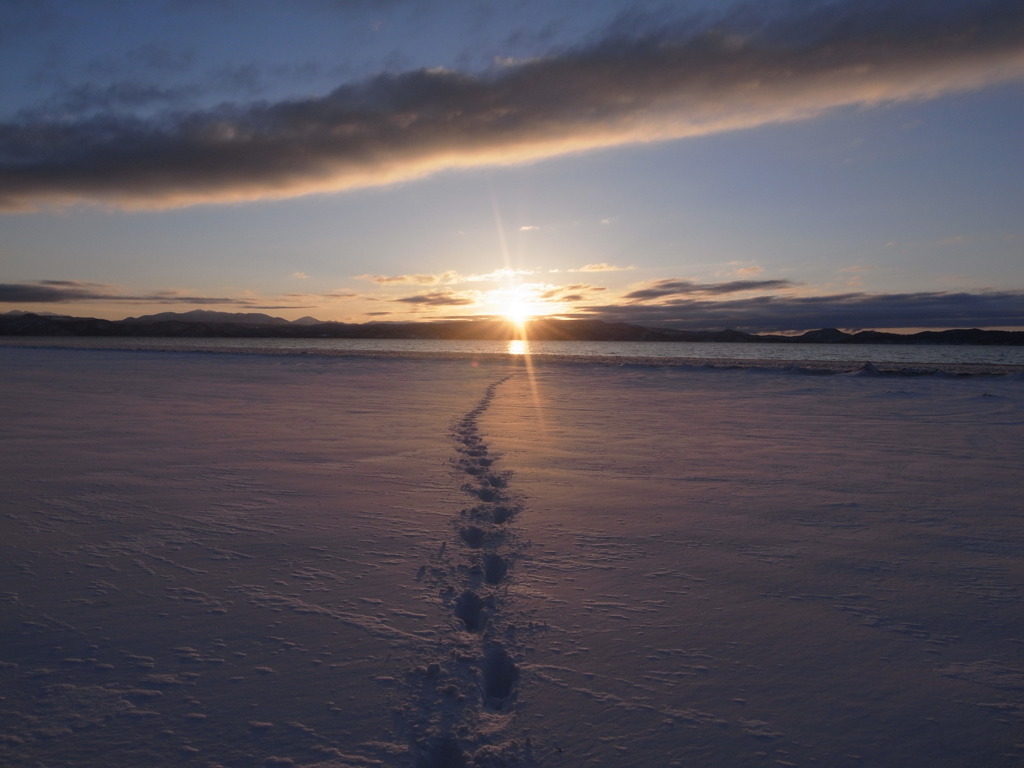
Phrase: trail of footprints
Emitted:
{"points": [[468, 699]]}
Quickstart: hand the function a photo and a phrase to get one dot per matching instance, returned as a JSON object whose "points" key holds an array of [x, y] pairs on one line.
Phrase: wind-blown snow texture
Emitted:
{"points": [[219, 560]]}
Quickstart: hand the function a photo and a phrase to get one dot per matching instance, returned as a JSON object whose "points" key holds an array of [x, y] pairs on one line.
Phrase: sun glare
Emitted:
{"points": [[518, 305], [516, 311]]}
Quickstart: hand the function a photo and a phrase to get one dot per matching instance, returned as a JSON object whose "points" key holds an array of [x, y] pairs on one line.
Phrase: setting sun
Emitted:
{"points": [[518, 304], [517, 311]]}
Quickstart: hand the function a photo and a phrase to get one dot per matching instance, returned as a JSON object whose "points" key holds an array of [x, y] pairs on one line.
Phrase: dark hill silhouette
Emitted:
{"points": [[203, 324], [210, 316]]}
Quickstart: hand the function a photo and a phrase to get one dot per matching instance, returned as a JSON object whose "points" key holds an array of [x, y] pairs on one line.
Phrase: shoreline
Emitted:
{"points": [[812, 367]]}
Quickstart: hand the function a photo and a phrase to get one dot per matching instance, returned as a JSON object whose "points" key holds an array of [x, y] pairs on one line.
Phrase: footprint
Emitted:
{"points": [[470, 467], [473, 536], [470, 609], [480, 513], [484, 493], [500, 675], [441, 752], [495, 568], [502, 514], [495, 481]]}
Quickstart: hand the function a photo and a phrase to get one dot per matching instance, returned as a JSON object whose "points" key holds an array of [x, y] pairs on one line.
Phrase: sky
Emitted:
{"points": [[765, 166]]}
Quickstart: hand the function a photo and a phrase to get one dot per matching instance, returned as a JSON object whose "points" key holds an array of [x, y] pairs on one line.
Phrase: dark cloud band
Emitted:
{"points": [[681, 80], [850, 311], [70, 291]]}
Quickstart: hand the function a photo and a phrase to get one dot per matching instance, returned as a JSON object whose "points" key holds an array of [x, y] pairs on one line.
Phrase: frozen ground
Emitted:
{"points": [[220, 560]]}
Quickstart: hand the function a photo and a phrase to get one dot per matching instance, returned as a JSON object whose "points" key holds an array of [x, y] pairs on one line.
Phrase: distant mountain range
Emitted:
{"points": [[201, 323], [209, 316]]}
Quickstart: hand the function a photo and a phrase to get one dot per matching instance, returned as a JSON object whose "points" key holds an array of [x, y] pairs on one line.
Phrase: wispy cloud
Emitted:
{"points": [[444, 277], [503, 275], [661, 289], [439, 299], [73, 291], [447, 278], [685, 79], [602, 267], [570, 294], [746, 269], [88, 99]]}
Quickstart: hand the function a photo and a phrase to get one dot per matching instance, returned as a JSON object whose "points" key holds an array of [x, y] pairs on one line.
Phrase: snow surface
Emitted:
{"points": [[224, 560]]}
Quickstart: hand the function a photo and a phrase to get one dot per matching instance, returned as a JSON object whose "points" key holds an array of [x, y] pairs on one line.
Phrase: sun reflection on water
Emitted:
{"points": [[518, 347], [519, 350]]}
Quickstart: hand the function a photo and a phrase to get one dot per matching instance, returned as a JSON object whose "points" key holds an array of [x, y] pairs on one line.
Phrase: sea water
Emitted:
{"points": [[747, 354]]}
